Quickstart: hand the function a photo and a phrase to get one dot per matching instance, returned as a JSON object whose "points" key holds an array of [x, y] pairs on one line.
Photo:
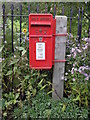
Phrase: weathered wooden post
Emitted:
{"points": [[60, 50]]}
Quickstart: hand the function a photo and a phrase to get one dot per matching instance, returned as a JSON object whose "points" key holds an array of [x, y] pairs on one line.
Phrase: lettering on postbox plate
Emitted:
{"points": [[40, 51]]}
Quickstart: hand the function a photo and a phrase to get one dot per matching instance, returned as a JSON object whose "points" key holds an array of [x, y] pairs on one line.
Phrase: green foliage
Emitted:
{"points": [[18, 77], [77, 73], [44, 107], [8, 101]]}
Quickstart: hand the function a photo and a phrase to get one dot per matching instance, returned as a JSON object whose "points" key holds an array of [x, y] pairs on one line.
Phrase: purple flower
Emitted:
{"points": [[27, 39], [71, 35], [3, 59], [87, 78], [87, 68], [14, 56], [24, 40], [82, 68], [85, 39], [73, 49], [78, 50], [73, 79], [85, 47], [65, 79], [73, 65], [85, 74], [74, 54], [72, 71]]}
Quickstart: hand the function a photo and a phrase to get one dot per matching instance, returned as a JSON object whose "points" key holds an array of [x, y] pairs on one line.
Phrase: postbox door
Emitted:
{"points": [[40, 41]]}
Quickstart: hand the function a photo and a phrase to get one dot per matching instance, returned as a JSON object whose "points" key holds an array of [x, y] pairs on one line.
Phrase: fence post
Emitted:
{"points": [[80, 27], [3, 22], [1, 63], [12, 26], [46, 8], [20, 23], [78, 22], [12, 40], [81, 22], [63, 10], [71, 20], [37, 8], [89, 28], [60, 49]]}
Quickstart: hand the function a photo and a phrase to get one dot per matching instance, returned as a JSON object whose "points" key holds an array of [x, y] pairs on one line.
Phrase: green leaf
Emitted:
{"points": [[34, 92], [77, 98], [14, 101], [15, 68], [75, 89], [9, 72], [86, 100], [17, 95], [50, 92], [64, 107], [43, 87], [30, 87], [39, 84], [23, 52], [44, 75], [20, 48], [26, 77], [5, 114], [1, 48], [14, 61], [49, 83], [47, 112]]}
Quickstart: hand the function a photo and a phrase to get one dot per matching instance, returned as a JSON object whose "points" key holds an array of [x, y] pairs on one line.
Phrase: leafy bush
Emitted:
{"points": [[8, 102], [44, 107], [77, 71]]}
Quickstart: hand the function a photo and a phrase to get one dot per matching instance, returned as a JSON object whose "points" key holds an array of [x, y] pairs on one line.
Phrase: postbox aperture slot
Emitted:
{"points": [[40, 24]]}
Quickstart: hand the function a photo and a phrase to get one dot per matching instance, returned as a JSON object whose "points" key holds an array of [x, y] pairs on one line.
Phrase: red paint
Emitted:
{"points": [[59, 60], [54, 31], [60, 34], [41, 38]]}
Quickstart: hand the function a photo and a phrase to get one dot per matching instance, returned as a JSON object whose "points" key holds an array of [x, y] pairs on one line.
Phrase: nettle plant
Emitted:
{"points": [[16, 70], [77, 75], [16, 74]]}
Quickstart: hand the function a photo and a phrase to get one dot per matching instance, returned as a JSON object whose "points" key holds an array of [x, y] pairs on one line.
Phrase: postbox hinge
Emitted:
{"points": [[59, 60], [60, 34]]}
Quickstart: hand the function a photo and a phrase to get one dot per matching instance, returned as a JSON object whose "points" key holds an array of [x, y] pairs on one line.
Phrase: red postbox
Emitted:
{"points": [[41, 41]]}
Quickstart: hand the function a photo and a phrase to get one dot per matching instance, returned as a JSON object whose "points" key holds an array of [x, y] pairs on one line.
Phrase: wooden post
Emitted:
{"points": [[60, 50]]}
